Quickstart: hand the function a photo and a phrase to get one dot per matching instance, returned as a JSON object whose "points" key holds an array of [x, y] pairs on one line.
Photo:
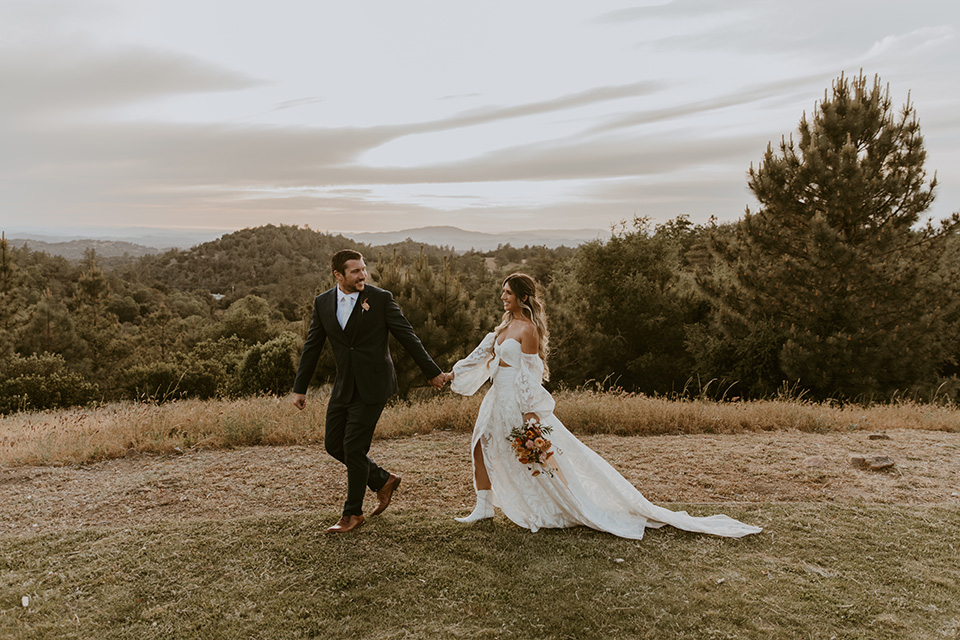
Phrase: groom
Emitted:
{"points": [[357, 319]]}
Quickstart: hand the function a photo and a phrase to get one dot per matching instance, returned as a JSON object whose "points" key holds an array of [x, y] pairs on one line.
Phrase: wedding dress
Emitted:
{"points": [[581, 488]]}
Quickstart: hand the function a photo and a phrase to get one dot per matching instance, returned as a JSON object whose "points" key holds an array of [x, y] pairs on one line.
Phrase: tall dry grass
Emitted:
{"points": [[86, 435]]}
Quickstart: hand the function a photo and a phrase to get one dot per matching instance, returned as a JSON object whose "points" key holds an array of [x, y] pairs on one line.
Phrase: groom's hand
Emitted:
{"points": [[437, 383], [299, 400]]}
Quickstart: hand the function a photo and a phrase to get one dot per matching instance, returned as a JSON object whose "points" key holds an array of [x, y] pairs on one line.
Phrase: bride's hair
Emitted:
{"points": [[525, 289]]}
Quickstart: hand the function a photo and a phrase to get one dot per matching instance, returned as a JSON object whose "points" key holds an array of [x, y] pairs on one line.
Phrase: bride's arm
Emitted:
{"points": [[470, 373], [535, 401]]}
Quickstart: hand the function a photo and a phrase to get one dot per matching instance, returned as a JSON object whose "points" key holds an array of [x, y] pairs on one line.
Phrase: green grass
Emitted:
{"points": [[817, 571]]}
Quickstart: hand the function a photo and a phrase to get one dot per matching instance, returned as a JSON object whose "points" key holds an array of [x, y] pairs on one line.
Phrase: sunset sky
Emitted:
{"points": [[387, 115]]}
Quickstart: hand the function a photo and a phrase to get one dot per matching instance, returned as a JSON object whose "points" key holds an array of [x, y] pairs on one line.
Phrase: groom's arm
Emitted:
{"points": [[400, 327], [316, 337]]}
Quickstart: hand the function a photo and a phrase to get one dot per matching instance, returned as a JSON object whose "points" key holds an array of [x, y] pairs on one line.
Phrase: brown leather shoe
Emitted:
{"points": [[386, 493], [346, 524]]}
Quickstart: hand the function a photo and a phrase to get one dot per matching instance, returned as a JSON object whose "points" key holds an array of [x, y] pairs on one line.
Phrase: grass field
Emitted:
{"points": [[124, 536], [818, 571]]}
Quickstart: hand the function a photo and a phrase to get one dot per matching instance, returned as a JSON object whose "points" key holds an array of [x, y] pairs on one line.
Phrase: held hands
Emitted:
{"points": [[442, 379], [300, 400]]}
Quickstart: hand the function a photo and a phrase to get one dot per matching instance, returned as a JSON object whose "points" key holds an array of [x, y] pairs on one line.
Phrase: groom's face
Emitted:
{"points": [[353, 277]]}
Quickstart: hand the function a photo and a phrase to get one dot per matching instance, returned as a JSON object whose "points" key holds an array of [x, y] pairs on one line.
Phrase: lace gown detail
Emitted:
{"points": [[584, 489]]}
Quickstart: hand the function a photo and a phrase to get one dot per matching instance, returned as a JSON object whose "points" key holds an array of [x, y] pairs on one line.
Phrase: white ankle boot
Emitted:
{"points": [[483, 510]]}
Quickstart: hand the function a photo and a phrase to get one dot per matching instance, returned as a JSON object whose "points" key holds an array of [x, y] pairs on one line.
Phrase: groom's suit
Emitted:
{"points": [[365, 379]]}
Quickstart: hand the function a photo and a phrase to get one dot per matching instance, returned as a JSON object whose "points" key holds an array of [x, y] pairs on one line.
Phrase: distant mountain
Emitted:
{"points": [[145, 241], [74, 249], [144, 236], [462, 240]]}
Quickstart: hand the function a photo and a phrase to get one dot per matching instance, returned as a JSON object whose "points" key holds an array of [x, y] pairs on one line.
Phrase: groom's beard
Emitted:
{"points": [[354, 288]]}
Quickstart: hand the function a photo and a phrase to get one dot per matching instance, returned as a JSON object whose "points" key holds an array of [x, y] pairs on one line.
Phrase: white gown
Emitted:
{"points": [[584, 489]]}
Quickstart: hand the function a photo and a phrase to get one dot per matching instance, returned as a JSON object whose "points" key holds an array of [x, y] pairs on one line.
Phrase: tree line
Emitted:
{"points": [[835, 287]]}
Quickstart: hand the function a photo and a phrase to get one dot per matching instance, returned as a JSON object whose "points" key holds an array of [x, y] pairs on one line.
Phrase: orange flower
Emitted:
{"points": [[524, 461], [539, 443], [536, 473]]}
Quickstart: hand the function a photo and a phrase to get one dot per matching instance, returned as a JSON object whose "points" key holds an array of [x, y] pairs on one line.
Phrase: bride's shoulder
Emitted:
{"points": [[529, 337]]}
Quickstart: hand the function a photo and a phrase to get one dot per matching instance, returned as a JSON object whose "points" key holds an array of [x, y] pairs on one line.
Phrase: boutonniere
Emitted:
{"points": [[365, 305]]}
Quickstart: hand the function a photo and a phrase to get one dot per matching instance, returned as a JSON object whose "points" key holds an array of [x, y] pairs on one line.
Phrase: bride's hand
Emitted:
{"points": [[448, 377]]}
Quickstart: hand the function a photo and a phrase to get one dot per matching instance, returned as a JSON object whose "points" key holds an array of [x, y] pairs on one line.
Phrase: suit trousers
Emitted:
{"points": [[347, 437]]}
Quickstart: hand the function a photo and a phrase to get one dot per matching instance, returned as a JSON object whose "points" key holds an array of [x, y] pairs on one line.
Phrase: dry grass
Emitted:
{"points": [[85, 435], [629, 414]]}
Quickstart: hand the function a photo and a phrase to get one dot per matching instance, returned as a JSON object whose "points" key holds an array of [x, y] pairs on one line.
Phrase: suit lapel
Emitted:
{"points": [[330, 307], [354, 319]]}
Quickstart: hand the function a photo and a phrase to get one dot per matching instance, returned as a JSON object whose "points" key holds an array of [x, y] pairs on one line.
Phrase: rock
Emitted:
{"points": [[814, 461], [878, 436], [871, 463]]}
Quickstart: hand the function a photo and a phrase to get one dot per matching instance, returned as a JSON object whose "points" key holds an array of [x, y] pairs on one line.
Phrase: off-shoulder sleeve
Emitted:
{"points": [[532, 396], [470, 373]]}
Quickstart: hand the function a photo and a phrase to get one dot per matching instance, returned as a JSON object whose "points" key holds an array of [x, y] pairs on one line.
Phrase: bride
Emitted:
{"points": [[572, 485]]}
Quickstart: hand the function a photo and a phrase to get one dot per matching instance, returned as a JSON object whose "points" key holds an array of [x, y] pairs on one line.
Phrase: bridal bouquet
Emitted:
{"points": [[530, 443]]}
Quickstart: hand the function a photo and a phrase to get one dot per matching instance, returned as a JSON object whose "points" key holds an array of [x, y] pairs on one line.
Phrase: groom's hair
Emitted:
{"points": [[339, 260]]}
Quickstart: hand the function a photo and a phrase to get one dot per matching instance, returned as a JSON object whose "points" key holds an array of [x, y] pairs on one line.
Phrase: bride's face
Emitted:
{"points": [[510, 302]]}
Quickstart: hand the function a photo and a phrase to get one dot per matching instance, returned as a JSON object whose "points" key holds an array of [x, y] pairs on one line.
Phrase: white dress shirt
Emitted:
{"points": [[345, 304]]}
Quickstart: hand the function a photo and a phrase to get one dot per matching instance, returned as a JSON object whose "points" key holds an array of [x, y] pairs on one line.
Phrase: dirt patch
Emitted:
{"points": [[750, 467]]}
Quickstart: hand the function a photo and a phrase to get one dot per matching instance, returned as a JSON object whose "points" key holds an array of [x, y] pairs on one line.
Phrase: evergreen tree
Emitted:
{"points": [[50, 328], [106, 344], [439, 309], [835, 271], [619, 313], [11, 303]]}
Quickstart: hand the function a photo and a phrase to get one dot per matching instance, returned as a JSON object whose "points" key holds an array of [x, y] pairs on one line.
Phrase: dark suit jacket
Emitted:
{"points": [[361, 349]]}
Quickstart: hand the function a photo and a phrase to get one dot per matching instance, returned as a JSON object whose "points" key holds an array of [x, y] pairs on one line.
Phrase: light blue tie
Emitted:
{"points": [[344, 307]]}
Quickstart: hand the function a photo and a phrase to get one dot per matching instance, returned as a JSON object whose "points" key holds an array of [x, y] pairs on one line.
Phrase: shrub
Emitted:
{"points": [[42, 382], [184, 377], [269, 367]]}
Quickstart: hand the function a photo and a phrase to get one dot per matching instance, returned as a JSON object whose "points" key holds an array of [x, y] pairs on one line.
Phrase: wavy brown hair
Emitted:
{"points": [[525, 288]]}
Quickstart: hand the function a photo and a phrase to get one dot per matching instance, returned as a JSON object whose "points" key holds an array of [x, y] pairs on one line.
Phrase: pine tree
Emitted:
{"points": [[438, 308], [106, 344], [11, 302], [618, 311], [50, 329], [836, 269]]}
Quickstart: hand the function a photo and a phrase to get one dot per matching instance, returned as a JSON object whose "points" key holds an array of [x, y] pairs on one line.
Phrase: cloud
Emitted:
{"points": [[779, 29], [180, 154], [910, 43], [69, 78], [576, 100], [751, 94], [666, 9], [25, 17]]}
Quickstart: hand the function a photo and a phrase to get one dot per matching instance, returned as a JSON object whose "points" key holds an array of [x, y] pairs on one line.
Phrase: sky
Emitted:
{"points": [[385, 115]]}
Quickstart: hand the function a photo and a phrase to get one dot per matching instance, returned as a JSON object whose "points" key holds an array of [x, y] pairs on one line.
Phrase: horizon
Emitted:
{"points": [[438, 235]]}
